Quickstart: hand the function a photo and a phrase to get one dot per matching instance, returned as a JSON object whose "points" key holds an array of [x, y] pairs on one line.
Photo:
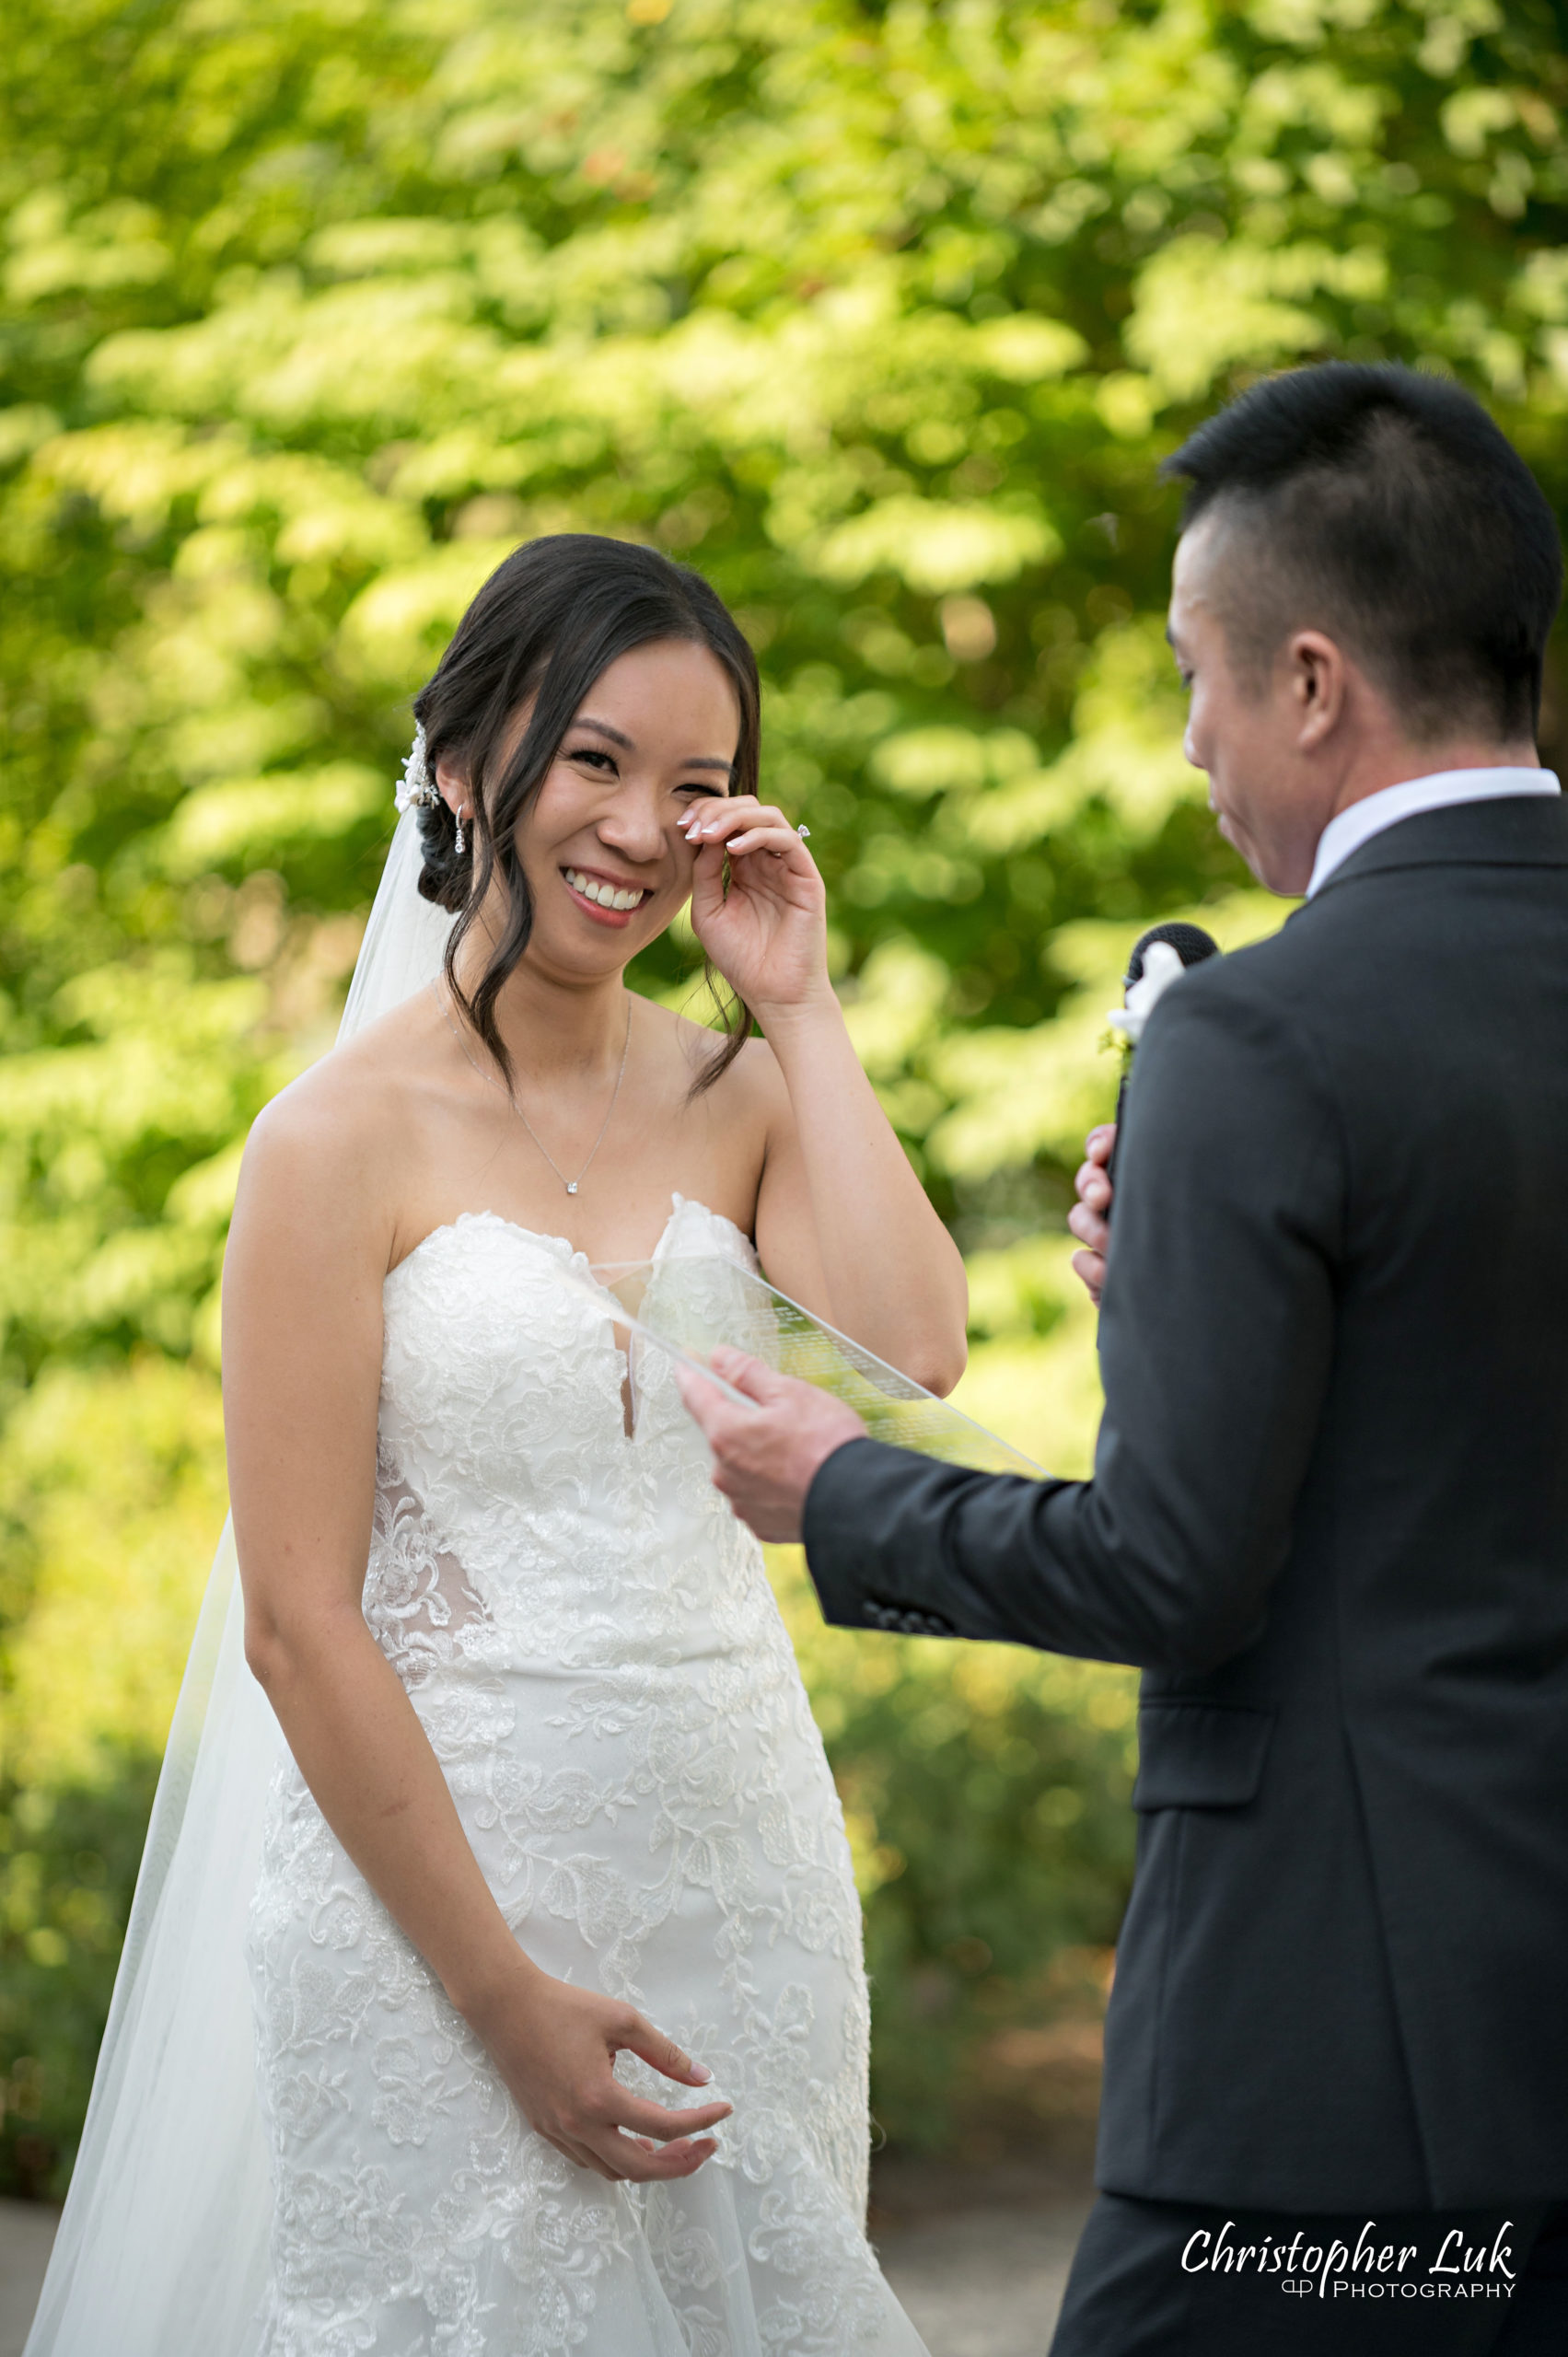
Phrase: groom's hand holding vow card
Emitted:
{"points": [[767, 1456], [777, 1390]]}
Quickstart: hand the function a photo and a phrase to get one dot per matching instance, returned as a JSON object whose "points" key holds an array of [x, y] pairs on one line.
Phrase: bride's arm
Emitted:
{"points": [[302, 1361], [843, 1225]]}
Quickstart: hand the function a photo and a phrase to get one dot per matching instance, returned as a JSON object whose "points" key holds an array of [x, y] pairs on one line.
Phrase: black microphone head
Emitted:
{"points": [[1190, 942]]}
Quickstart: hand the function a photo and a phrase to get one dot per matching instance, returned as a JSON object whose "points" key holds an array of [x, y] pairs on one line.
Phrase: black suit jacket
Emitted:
{"points": [[1328, 1519]]}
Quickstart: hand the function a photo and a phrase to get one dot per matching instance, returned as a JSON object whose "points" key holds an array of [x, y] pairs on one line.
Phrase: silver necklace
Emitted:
{"points": [[570, 1185]]}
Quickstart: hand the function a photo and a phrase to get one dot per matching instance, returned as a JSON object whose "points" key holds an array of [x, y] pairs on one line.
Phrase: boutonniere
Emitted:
{"points": [[1125, 1025]]}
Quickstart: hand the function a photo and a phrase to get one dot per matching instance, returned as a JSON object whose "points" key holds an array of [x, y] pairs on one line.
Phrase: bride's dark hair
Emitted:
{"points": [[546, 624]]}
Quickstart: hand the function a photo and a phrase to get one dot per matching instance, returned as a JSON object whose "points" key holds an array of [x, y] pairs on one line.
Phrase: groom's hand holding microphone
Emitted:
{"points": [[1159, 957], [1089, 1219]]}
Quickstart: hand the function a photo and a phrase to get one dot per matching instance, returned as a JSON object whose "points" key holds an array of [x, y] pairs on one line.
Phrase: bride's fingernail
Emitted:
{"points": [[701, 2075]]}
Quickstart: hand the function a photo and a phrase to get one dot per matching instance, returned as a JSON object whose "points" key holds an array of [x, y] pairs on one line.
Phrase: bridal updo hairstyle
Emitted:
{"points": [[548, 621], [1383, 506]]}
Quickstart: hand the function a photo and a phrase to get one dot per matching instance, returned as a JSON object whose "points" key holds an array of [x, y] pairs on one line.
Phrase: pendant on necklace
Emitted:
{"points": [[571, 1186]]}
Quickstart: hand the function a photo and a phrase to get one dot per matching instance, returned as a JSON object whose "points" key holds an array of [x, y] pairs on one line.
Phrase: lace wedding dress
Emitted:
{"points": [[590, 1642]]}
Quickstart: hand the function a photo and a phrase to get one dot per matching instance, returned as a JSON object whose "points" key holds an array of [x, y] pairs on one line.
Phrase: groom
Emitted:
{"points": [[1329, 1517]]}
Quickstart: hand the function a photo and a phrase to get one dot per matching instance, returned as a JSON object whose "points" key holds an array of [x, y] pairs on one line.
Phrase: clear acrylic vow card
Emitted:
{"points": [[686, 1305]]}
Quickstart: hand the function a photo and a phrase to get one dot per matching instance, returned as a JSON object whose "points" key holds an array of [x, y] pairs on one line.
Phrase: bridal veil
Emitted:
{"points": [[162, 2249]]}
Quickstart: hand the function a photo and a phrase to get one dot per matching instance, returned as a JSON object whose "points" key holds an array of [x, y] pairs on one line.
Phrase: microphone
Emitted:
{"points": [[1158, 958], [1190, 942]]}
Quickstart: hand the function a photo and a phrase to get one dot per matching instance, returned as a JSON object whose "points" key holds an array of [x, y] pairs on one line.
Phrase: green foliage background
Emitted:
{"points": [[883, 315]]}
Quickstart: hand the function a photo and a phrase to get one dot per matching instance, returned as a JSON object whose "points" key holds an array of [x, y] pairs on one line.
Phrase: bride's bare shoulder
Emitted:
{"points": [[339, 1133]]}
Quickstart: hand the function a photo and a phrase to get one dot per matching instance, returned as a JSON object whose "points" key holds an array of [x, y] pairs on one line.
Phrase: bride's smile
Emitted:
{"points": [[609, 899]]}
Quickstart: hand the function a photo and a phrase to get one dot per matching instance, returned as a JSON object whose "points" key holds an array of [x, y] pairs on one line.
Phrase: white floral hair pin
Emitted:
{"points": [[417, 792]]}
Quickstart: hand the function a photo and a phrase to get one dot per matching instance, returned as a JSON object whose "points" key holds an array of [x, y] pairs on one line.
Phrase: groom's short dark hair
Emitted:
{"points": [[1383, 506]]}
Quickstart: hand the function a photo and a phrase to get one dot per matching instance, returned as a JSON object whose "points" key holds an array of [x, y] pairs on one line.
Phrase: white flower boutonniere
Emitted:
{"points": [[1161, 967]]}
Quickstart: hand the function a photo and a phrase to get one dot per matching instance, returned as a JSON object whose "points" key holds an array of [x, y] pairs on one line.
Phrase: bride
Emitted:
{"points": [[560, 2016]]}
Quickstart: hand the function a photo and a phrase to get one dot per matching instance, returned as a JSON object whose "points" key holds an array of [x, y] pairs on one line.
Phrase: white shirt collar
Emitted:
{"points": [[1368, 818]]}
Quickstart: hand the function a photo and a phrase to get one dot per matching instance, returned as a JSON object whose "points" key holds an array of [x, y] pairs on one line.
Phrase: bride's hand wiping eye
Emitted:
{"points": [[767, 933]]}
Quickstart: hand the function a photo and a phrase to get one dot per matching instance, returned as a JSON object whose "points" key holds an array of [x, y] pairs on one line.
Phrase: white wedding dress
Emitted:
{"points": [[592, 1645]]}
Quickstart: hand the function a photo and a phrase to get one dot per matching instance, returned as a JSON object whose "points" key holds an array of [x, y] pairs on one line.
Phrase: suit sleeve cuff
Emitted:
{"points": [[848, 1569], [833, 1558]]}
